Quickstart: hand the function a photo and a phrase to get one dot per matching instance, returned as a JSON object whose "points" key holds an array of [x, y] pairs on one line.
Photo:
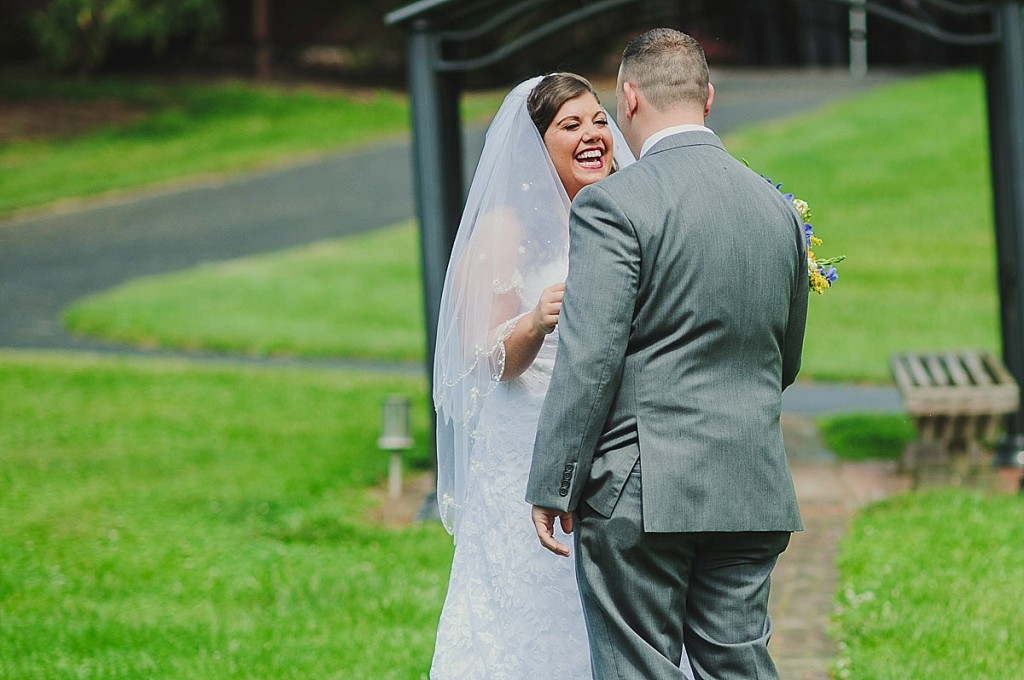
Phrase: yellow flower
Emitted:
{"points": [[821, 275], [819, 284]]}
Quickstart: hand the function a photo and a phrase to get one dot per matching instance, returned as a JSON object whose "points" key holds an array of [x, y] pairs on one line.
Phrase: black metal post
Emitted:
{"points": [[437, 157], [1004, 81]]}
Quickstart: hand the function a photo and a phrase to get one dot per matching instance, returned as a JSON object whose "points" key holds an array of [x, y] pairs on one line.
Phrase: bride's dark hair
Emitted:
{"points": [[551, 92]]}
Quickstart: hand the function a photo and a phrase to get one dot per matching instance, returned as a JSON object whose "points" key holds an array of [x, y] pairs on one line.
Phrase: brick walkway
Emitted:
{"points": [[805, 582]]}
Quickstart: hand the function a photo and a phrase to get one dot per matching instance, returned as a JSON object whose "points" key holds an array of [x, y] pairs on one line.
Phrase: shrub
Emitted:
{"points": [[78, 34]]}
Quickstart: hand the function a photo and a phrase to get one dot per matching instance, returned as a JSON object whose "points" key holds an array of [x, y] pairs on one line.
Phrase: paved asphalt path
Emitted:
{"points": [[49, 260]]}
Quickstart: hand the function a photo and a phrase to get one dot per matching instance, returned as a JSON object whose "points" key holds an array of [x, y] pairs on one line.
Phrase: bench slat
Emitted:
{"points": [[972, 362], [937, 369], [998, 371], [899, 370], [956, 370], [916, 366]]}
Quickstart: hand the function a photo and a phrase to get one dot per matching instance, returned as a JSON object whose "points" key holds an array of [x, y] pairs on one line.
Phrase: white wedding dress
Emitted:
{"points": [[513, 610]]}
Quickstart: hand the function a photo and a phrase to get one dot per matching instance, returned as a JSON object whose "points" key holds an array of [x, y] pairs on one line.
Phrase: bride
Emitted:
{"points": [[513, 609]]}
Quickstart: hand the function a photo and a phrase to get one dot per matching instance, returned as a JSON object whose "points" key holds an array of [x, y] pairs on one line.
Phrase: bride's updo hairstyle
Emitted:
{"points": [[554, 90]]}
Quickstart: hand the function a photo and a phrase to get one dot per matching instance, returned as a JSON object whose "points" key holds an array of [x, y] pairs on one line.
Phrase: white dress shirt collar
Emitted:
{"points": [[666, 132]]}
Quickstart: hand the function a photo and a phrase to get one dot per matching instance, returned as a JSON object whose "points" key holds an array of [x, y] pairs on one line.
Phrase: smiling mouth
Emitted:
{"points": [[591, 159]]}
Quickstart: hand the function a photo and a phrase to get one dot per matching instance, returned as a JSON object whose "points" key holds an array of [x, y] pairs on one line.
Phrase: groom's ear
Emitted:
{"points": [[711, 99], [632, 98]]}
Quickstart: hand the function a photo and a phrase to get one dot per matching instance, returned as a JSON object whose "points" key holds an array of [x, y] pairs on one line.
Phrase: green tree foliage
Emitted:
{"points": [[78, 34]]}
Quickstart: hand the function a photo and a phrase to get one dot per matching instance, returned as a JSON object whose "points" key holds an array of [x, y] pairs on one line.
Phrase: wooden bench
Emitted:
{"points": [[958, 400]]}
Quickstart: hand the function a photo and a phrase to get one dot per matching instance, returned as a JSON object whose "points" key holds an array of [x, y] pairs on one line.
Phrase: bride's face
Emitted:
{"points": [[579, 142]]}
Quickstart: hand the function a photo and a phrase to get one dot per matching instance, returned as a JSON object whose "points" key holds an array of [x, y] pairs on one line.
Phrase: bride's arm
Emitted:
{"points": [[524, 341], [488, 273]]}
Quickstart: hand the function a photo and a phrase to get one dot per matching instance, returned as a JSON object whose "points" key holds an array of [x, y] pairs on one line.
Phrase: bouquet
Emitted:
{"points": [[821, 271]]}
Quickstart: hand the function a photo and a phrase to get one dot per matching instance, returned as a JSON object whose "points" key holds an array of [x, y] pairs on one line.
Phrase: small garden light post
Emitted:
{"points": [[395, 437]]}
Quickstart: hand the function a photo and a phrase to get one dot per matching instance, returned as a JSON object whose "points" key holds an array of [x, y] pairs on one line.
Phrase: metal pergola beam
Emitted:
{"points": [[916, 23], [530, 38]]}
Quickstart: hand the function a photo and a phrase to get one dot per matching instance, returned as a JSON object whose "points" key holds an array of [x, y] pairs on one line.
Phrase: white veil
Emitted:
{"points": [[516, 219]]}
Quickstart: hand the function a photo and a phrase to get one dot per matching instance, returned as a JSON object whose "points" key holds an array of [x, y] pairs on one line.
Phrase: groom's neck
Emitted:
{"points": [[655, 121]]}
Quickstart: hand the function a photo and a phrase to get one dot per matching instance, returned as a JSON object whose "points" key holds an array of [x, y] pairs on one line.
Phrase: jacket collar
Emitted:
{"points": [[684, 139]]}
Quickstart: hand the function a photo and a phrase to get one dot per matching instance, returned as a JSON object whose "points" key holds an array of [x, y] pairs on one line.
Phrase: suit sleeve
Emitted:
{"points": [[594, 328], [797, 322]]}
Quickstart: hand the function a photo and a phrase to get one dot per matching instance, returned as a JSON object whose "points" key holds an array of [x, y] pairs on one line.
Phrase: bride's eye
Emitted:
{"points": [[601, 121]]}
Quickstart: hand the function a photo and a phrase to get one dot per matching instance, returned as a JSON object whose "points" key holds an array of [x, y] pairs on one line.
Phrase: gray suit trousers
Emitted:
{"points": [[648, 594]]}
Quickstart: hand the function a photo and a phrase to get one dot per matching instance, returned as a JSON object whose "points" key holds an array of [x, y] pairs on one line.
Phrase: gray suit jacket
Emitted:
{"points": [[682, 322]]}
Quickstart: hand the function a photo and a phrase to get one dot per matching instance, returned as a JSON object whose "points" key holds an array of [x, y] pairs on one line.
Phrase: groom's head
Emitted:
{"points": [[663, 78]]}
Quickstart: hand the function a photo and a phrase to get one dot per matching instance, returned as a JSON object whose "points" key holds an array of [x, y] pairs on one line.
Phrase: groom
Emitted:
{"points": [[682, 322]]}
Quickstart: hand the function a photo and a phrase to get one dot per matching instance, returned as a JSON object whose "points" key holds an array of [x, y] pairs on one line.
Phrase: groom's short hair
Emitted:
{"points": [[668, 67]]}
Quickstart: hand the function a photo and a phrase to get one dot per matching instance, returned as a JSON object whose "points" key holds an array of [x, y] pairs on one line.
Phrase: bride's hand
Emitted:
{"points": [[527, 336], [545, 314]]}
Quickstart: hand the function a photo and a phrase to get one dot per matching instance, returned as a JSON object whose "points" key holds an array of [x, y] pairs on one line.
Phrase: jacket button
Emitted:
{"points": [[563, 492]]}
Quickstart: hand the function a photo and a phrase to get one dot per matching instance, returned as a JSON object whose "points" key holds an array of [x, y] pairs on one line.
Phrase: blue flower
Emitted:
{"points": [[820, 271]]}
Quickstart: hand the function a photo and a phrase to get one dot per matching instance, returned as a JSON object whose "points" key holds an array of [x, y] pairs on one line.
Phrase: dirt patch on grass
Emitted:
{"points": [[401, 511], [47, 118]]}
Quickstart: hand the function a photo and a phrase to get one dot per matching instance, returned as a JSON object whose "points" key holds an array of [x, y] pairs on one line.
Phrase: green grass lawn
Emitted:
{"points": [[189, 130], [897, 180], [931, 588], [352, 297], [159, 519], [930, 580], [177, 520], [866, 436]]}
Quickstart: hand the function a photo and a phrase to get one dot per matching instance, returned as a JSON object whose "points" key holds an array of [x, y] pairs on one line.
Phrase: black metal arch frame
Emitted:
{"points": [[923, 25], [444, 43], [522, 42]]}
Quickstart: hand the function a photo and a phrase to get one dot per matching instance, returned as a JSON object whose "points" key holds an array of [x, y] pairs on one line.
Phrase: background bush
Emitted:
{"points": [[78, 34]]}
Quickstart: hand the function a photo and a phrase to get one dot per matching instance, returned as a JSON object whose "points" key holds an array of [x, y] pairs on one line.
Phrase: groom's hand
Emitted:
{"points": [[544, 523]]}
